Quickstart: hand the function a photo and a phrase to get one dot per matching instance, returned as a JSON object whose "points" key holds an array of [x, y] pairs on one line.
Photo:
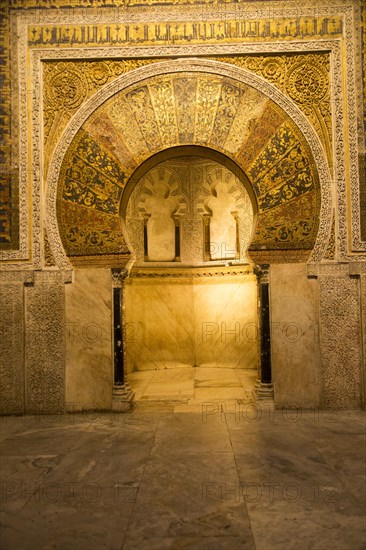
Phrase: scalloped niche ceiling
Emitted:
{"points": [[188, 109]]}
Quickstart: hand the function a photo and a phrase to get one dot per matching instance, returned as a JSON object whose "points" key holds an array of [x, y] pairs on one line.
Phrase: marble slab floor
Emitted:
{"points": [[187, 388], [234, 475]]}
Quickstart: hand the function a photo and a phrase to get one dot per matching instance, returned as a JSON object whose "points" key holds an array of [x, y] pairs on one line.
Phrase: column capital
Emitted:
{"points": [[119, 275], [262, 273]]}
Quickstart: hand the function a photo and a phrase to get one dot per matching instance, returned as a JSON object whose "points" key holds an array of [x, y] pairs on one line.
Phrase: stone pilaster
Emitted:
{"points": [[45, 343], [12, 341], [340, 334]]}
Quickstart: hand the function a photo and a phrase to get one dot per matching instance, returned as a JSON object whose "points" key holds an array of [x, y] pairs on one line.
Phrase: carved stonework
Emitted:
{"points": [[363, 321], [331, 30], [123, 398], [12, 347], [155, 208], [49, 260], [340, 339], [172, 273], [118, 277], [279, 235], [192, 182], [331, 248], [45, 345]]}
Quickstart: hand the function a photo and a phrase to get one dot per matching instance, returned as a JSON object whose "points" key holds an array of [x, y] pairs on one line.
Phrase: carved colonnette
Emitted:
{"points": [[122, 397]]}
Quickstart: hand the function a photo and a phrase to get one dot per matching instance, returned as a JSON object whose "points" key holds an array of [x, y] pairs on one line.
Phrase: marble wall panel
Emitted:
{"points": [[294, 337], [225, 320], [191, 321], [159, 328], [12, 346], [45, 343], [340, 338], [89, 357]]}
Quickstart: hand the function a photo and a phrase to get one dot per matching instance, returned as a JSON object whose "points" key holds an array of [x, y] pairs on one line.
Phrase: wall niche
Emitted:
{"points": [[191, 297]]}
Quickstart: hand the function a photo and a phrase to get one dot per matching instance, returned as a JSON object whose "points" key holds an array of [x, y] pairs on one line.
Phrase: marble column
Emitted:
{"points": [[264, 386], [122, 398]]}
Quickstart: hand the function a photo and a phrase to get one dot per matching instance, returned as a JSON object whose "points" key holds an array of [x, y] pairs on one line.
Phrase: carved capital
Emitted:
{"points": [[262, 273], [119, 275]]}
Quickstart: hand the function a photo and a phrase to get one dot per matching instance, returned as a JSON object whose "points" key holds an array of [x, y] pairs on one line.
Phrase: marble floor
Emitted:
{"points": [[184, 389], [232, 475]]}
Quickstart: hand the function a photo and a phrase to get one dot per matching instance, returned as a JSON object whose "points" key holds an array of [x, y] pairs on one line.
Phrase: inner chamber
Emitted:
{"points": [[191, 298]]}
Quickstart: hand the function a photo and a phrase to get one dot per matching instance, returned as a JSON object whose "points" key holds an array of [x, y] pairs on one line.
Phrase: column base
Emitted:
{"points": [[263, 391], [123, 398]]}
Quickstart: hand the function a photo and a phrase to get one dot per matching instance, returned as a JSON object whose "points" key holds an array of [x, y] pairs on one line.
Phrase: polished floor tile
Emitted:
{"points": [[193, 385], [230, 474]]}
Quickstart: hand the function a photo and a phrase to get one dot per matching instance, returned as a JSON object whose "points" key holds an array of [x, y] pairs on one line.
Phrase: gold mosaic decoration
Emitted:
{"points": [[227, 116], [195, 31], [8, 202], [68, 84], [304, 78], [172, 109], [117, 3]]}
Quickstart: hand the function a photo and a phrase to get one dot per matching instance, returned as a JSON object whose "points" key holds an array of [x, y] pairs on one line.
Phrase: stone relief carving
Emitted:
{"points": [[153, 213], [330, 253], [340, 339], [160, 226], [12, 346], [223, 238], [347, 11], [199, 189], [45, 345], [49, 260]]}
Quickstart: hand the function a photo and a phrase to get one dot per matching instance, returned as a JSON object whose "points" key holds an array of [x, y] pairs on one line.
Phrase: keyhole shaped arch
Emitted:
{"points": [[207, 75]]}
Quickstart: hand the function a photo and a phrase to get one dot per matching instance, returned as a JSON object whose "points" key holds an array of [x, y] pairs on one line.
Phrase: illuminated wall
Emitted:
{"points": [[94, 91], [192, 310]]}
